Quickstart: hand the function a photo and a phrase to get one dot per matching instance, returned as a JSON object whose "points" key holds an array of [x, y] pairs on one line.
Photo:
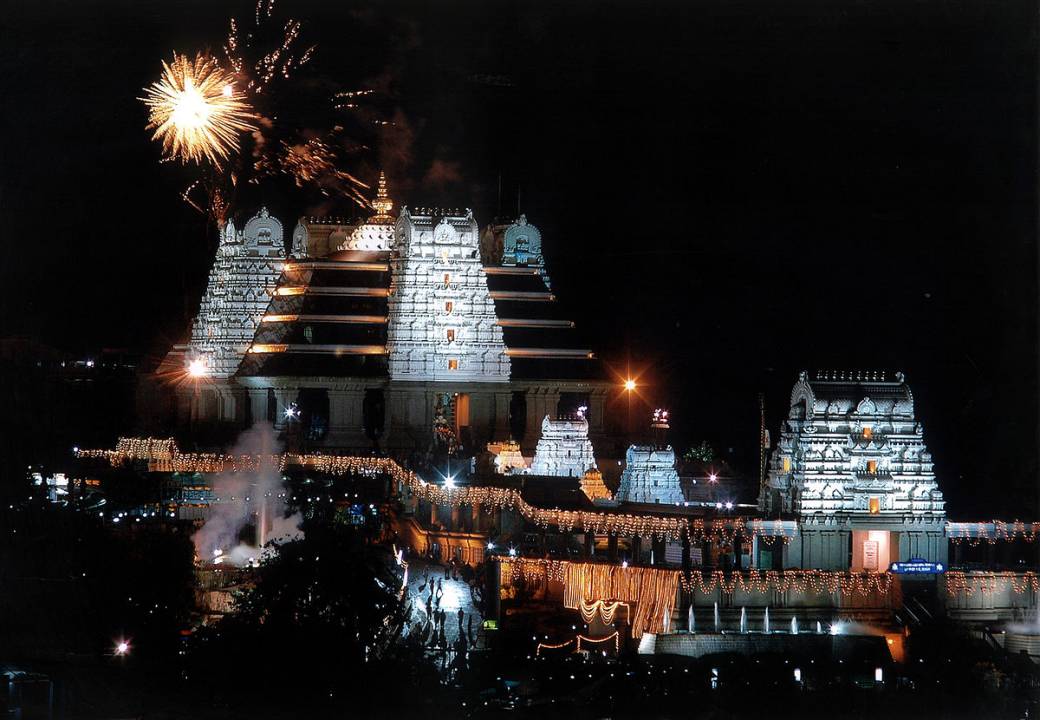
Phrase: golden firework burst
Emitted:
{"points": [[196, 111]]}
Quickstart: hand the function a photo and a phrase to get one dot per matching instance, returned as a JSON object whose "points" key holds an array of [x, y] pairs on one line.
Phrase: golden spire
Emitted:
{"points": [[382, 204]]}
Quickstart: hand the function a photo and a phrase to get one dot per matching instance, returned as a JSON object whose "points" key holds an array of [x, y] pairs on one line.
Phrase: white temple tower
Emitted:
{"points": [[241, 283], [852, 466], [650, 476], [564, 449], [442, 322]]}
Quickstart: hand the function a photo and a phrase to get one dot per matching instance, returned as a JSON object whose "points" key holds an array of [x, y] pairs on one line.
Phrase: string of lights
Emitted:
{"points": [[654, 591], [992, 532], [969, 583], [548, 646], [616, 637], [606, 611], [163, 456]]}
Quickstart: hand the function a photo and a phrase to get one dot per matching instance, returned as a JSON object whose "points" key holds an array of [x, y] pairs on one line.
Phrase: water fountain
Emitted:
{"points": [[718, 624], [743, 619], [690, 623], [794, 624], [819, 628], [765, 624]]}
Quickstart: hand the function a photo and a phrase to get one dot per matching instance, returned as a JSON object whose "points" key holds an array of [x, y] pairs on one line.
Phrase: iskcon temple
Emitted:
{"points": [[420, 348], [378, 330]]}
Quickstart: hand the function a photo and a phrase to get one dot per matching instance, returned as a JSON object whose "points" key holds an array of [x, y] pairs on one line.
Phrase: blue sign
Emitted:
{"points": [[916, 566]]}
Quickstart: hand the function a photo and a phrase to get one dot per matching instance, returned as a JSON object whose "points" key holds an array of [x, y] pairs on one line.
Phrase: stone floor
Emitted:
{"points": [[454, 595]]}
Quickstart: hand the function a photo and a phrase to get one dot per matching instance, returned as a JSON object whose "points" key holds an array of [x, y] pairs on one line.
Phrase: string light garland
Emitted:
{"points": [[615, 636], [654, 591], [606, 611], [969, 583], [977, 533], [548, 646], [162, 456], [577, 640]]}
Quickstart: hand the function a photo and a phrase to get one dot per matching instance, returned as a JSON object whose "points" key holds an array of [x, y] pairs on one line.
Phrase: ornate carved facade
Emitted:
{"points": [[852, 466], [852, 445], [564, 450], [241, 283], [442, 323], [650, 476]]}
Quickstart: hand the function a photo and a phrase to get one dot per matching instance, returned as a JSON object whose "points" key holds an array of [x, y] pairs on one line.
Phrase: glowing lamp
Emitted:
{"points": [[197, 368], [630, 385], [449, 482], [122, 647]]}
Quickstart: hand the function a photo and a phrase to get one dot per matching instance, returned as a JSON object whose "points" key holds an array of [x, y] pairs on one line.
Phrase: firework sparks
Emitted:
{"points": [[282, 61], [196, 111]]}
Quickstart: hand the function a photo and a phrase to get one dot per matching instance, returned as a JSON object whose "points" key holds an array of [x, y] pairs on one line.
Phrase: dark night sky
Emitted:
{"points": [[729, 191]]}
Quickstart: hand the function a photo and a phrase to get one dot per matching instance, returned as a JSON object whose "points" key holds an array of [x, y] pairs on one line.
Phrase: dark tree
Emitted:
{"points": [[325, 617]]}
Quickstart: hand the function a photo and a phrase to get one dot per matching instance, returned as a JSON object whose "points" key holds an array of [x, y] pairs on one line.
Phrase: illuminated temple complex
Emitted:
{"points": [[441, 344], [396, 329]]}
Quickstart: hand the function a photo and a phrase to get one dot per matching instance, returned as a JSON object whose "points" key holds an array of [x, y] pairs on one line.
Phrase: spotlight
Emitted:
{"points": [[197, 368]]}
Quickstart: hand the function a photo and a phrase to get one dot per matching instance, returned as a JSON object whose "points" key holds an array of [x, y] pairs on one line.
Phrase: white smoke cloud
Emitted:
{"points": [[218, 538]]}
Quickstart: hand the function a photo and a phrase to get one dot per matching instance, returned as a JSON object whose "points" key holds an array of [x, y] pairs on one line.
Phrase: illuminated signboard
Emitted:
{"points": [[916, 566]]}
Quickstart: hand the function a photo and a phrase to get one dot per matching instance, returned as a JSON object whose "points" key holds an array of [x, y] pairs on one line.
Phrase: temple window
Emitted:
{"points": [[453, 364], [787, 464], [868, 433], [448, 306], [875, 505], [872, 467], [447, 279], [451, 335]]}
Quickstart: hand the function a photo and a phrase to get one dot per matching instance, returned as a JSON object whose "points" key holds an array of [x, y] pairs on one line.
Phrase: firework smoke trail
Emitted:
{"points": [[196, 111]]}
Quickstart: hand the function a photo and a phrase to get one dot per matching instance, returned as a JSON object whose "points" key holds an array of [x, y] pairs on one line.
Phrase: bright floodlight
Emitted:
{"points": [[122, 647], [197, 368], [291, 412], [449, 482], [630, 385], [713, 477]]}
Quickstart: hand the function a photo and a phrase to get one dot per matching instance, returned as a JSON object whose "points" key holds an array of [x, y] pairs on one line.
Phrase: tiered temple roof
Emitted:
{"points": [[368, 298]]}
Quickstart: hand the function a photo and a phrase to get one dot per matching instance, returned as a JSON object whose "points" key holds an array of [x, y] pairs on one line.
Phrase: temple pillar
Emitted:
{"points": [[258, 404], [475, 518], [589, 545], [612, 548], [500, 428]]}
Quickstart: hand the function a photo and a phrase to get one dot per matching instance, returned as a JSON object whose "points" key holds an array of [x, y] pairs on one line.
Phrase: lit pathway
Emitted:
{"points": [[454, 595]]}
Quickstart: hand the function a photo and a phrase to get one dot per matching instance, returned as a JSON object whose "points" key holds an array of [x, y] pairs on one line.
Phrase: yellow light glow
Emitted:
{"points": [[197, 368], [630, 385], [196, 112]]}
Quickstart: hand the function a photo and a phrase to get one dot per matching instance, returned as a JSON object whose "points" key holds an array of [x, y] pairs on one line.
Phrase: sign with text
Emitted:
{"points": [[917, 566]]}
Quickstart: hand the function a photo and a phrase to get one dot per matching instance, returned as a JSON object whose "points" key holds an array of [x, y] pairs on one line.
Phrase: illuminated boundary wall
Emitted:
{"points": [[985, 597], [660, 598], [657, 595]]}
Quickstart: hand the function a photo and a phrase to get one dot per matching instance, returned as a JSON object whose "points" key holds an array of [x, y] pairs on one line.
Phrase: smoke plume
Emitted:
{"points": [[244, 498]]}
